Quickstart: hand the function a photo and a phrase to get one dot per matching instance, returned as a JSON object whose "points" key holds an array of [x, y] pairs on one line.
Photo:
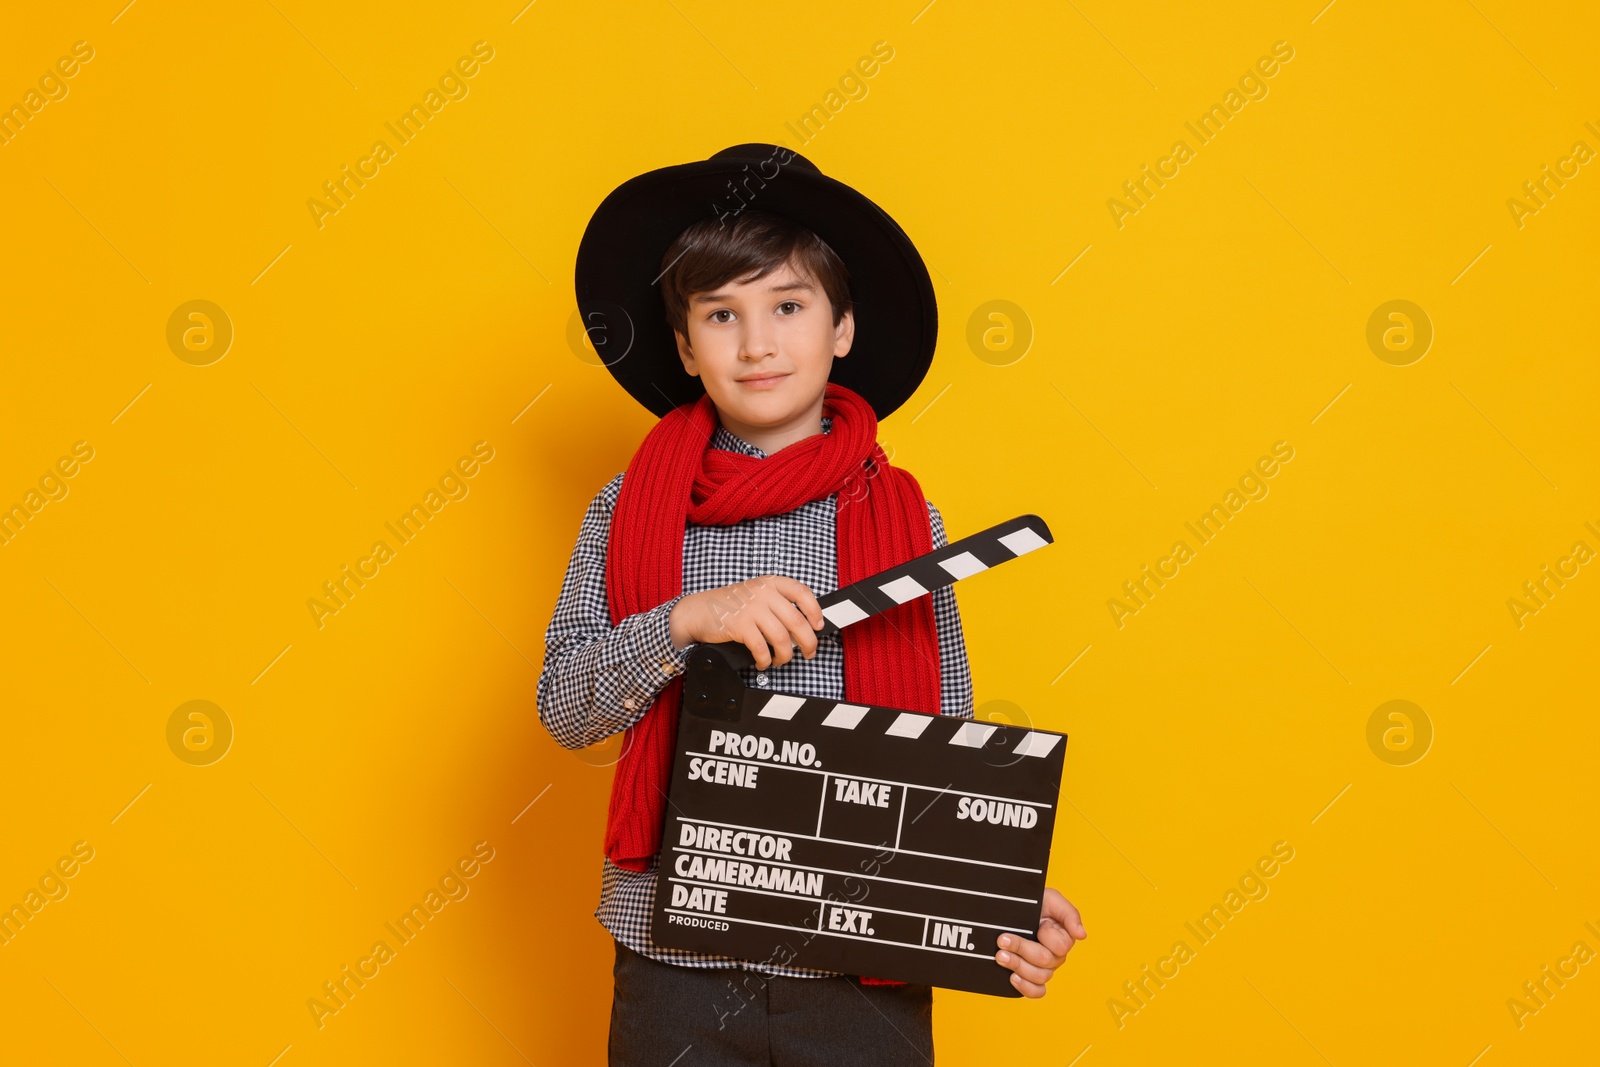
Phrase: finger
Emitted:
{"points": [[804, 599], [777, 636], [748, 634], [1011, 961], [799, 628], [1061, 909], [1031, 990], [1055, 937], [1034, 952], [1069, 917], [759, 651]]}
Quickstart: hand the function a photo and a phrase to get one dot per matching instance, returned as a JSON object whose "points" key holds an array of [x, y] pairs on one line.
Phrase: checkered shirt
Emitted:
{"points": [[598, 679]]}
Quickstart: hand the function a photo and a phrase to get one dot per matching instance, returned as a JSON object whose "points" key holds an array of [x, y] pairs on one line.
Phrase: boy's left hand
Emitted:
{"points": [[1034, 962]]}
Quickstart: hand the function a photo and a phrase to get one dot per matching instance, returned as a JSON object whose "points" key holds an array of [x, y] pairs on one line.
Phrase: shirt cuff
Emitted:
{"points": [[655, 663]]}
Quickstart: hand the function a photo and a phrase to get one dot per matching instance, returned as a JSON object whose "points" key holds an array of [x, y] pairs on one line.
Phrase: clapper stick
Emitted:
{"points": [[856, 838], [933, 570]]}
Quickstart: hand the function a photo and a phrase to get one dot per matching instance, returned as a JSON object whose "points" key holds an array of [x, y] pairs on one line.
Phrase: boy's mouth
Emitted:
{"points": [[762, 381]]}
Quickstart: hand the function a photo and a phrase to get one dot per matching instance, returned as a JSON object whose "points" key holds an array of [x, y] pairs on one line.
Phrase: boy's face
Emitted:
{"points": [[763, 349]]}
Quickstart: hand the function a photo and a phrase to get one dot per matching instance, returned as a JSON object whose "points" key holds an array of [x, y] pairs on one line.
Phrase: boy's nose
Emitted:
{"points": [[760, 339]]}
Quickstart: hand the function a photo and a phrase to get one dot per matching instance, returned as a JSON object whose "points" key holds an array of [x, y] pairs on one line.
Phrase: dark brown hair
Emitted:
{"points": [[710, 253]]}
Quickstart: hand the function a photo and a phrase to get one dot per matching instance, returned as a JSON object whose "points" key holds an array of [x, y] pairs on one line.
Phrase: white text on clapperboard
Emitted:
{"points": [[739, 772]]}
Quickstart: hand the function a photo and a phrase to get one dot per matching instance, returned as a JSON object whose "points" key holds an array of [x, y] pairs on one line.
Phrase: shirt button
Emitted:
{"points": [[629, 704], [761, 680]]}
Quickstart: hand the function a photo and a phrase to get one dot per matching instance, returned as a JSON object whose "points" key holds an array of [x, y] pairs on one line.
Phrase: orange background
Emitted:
{"points": [[1167, 354]]}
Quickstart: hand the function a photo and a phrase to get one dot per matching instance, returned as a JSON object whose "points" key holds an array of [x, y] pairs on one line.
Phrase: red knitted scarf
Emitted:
{"points": [[891, 659]]}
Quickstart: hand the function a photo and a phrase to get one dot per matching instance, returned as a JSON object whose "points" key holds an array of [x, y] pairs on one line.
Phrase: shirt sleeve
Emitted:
{"points": [[599, 679], [955, 674]]}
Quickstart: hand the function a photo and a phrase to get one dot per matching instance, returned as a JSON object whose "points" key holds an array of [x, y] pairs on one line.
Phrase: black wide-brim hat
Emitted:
{"points": [[619, 267]]}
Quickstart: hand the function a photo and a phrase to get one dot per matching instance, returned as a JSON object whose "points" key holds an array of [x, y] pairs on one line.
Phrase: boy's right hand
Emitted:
{"points": [[766, 610]]}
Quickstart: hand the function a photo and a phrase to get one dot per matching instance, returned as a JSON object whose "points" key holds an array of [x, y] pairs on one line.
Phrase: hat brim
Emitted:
{"points": [[619, 263]]}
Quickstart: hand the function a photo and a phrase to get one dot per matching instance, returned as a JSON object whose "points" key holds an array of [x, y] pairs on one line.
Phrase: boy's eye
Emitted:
{"points": [[794, 305]]}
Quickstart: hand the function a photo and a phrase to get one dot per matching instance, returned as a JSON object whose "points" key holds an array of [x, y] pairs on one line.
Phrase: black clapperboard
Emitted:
{"points": [[845, 837]]}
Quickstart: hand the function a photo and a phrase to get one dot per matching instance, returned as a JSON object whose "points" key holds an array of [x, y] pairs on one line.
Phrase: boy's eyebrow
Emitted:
{"points": [[708, 298]]}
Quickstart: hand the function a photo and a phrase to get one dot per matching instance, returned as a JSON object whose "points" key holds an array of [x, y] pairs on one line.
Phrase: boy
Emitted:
{"points": [[762, 483]]}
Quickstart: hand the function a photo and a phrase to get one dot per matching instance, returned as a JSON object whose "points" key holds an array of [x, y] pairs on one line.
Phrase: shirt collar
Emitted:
{"points": [[725, 440]]}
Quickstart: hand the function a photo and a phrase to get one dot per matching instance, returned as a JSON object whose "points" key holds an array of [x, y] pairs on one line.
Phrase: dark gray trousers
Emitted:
{"points": [[668, 1016]]}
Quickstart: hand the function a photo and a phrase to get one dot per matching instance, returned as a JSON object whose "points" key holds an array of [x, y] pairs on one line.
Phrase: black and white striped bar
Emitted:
{"points": [[849, 837], [942, 567], [908, 724], [933, 570]]}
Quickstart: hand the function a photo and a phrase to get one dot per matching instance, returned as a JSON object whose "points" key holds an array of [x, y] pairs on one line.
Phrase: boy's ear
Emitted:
{"points": [[686, 355], [844, 334]]}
